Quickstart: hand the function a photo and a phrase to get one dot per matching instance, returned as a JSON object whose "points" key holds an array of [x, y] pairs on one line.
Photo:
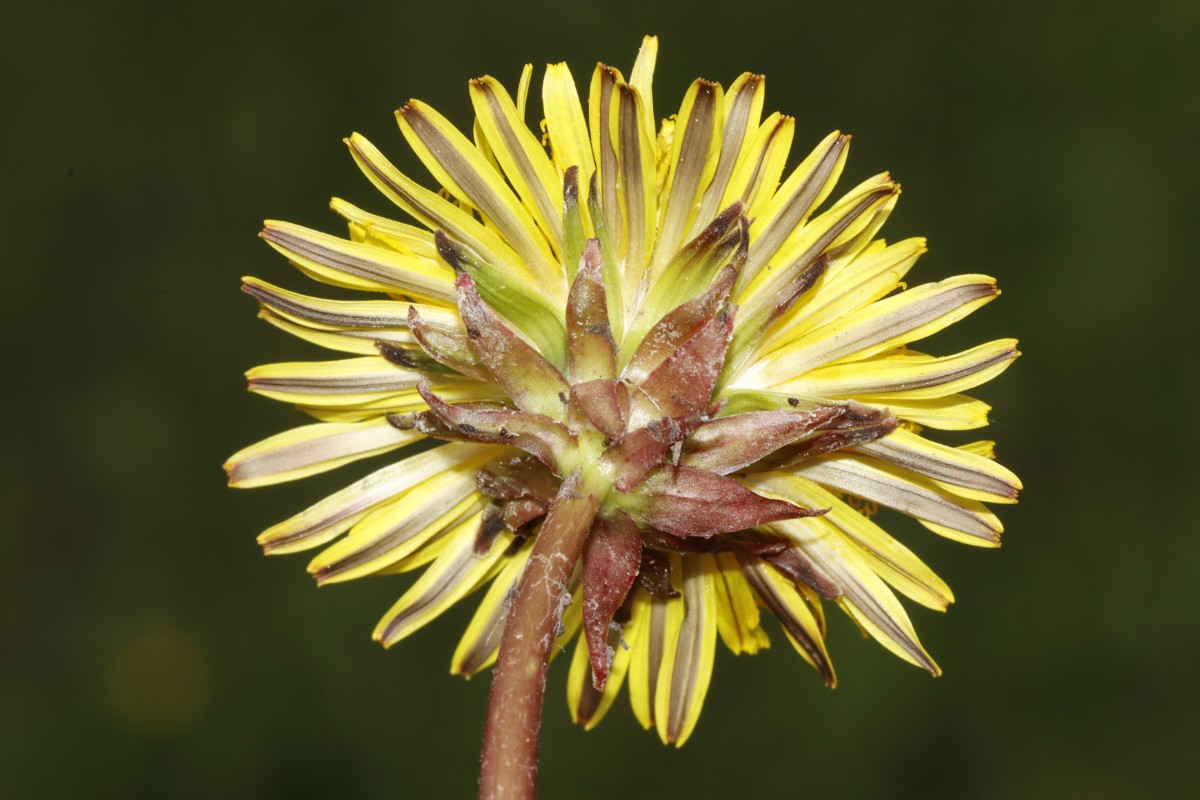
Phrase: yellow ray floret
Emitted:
{"points": [[686, 668], [587, 705], [455, 574], [738, 618], [960, 519], [313, 449], [403, 526], [336, 513]]}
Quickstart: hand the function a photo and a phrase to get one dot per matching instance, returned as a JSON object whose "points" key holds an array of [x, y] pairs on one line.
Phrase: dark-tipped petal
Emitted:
{"points": [[781, 596], [752, 326], [723, 243]]}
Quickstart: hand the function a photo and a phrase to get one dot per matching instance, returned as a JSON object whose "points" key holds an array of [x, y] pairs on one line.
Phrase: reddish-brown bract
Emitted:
{"points": [[611, 558]]}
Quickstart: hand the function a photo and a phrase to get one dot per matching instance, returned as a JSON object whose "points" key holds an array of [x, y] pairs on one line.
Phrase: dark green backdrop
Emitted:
{"points": [[148, 650]]}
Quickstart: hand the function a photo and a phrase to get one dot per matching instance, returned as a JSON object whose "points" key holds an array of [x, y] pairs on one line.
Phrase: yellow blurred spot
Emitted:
{"points": [[159, 682]]}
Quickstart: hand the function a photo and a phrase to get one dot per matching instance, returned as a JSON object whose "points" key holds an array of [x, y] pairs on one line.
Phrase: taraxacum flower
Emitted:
{"points": [[673, 397]]}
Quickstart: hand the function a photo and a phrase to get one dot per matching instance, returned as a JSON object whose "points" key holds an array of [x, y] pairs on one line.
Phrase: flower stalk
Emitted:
{"points": [[511, 737]]}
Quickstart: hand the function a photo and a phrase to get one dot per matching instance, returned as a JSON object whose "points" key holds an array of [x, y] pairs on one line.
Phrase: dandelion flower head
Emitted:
{"points": [[650, 330]]}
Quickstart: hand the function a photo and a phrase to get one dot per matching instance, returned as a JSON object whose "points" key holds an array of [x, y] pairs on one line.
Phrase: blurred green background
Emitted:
{"points": [[148, 650]]}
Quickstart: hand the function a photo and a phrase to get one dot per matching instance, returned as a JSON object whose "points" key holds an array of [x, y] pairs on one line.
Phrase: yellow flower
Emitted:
{"points": [[646, 323]]}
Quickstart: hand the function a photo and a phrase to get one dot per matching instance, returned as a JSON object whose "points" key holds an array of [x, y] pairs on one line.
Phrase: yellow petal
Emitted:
{"points": [[400, 528], [587, 705], [480, 643], [911, 374], [738, 620], [693, 160], [569, 140], [642, 79], [848, 285], [384, 232], [359, 266], [959, 470], [688, 657], [840, 233], [312, 449], [602, 116], [338, 315], [891, 560], [358, 342], [637, 185], [332, 410], [479, 646], [328, 518], [436, 212], [884, 325], [425, 555], [350, 380], [459, 166], [756, 175], [809, 184], [955, 412], [485, 150], [663, 618], [457, 572], [662, 156], [521, 156], [743, 113], [783, 598], [865, 596], [523, 91], [943, 512], [875, 609], [984, 448]]}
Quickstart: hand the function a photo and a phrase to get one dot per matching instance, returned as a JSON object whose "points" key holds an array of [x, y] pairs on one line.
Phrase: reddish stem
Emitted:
{"points": [[511, 736]]}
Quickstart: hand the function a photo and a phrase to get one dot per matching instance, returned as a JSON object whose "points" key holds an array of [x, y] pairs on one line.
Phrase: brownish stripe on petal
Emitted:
{"points": [[753, 569]]}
